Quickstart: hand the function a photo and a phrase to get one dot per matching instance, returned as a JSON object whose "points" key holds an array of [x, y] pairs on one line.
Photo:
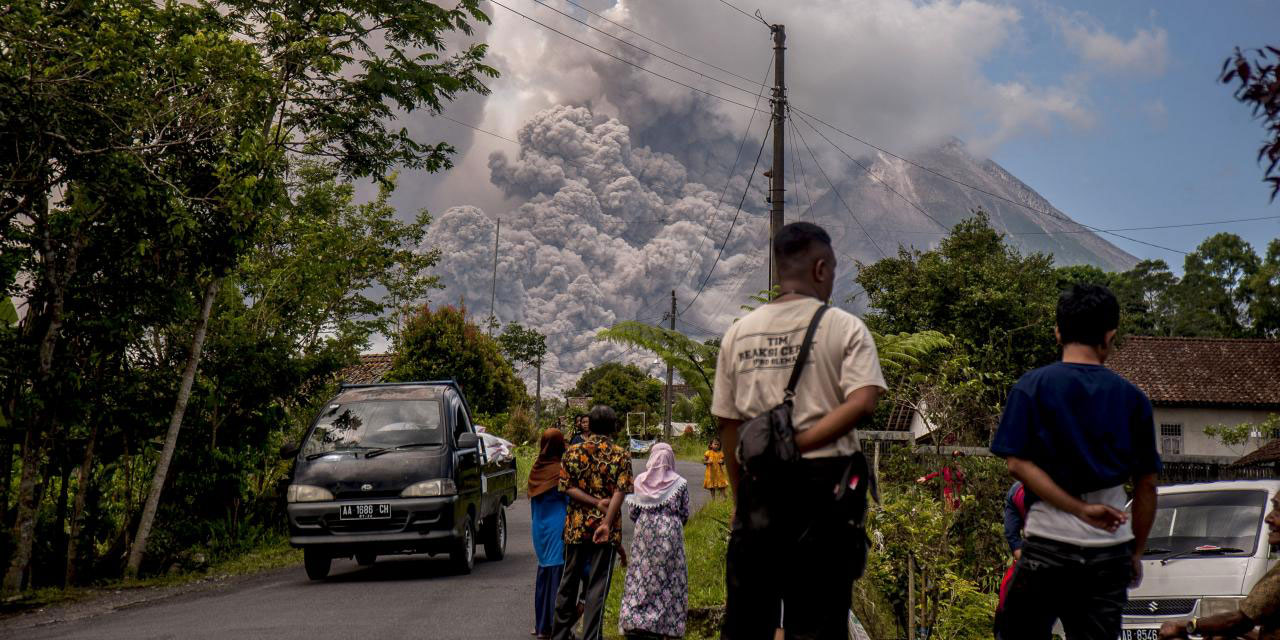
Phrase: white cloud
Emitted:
{"points": [[1147, 52]]}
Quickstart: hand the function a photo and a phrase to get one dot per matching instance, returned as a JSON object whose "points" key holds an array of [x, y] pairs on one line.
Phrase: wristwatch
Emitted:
{"points": [[1191, 626]]}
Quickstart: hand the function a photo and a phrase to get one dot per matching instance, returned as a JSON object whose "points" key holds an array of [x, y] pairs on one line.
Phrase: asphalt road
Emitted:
{"points": [[399, 597]]}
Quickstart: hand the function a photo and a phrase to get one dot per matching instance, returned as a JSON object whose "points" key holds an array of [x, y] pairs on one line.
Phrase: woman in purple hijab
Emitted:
{"points": [[656, 597]]}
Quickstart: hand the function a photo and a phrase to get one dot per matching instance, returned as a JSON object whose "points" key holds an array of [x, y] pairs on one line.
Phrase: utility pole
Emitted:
{"points": [[537, 406], [777, 188], [493, 292], [666, 430]]}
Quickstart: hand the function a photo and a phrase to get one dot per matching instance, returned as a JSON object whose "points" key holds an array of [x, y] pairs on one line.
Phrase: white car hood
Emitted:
{"points": [[1192, 577]]}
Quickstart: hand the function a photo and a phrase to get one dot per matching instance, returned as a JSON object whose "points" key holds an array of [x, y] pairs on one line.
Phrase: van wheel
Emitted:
{"points": [[463, 555], [495, 539], [366, 558], [317, 563]]}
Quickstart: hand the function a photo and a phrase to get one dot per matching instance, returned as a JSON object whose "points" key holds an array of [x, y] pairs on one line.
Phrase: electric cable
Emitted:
{"points": [[625, 61], [646, 51], [728, 235], [840, 197]]}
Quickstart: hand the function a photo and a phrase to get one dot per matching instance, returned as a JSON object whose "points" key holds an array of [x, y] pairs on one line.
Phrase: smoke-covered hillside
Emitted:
{"points": [[608, 228]]}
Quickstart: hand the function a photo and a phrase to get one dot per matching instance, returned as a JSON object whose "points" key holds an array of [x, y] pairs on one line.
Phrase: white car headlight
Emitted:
{"points": [[308, 493], [430, 489], [1215, 606]]}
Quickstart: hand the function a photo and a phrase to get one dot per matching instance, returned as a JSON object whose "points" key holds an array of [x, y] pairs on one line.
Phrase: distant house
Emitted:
{"points": [[1197, 382], [373, 367]]}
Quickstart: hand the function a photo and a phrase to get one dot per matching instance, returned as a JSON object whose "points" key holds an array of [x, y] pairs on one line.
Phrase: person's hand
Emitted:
{"points": [[601, 535], [1171, 630], [603, 505], [921, 480], [1017, 554], [1102, 516], [1137, 571]]}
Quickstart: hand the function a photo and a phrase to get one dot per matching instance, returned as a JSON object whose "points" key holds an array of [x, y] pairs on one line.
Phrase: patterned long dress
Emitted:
{"points": [[656, 597]]}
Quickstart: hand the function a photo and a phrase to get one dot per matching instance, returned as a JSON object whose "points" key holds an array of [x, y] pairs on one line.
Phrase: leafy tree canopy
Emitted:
{"points": [[522, 345], [1257, 72], [625, 387], [442, 344]]}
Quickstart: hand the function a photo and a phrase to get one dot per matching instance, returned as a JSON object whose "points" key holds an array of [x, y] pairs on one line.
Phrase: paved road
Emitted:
{"points": [[399, 597]]}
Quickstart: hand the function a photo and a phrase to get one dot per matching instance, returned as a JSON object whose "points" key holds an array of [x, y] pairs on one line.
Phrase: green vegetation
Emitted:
{"points": [[179, 218], [625, 387]]}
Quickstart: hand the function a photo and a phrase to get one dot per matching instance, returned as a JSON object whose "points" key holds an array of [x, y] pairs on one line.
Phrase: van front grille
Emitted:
{"points": [[1159, 607]]}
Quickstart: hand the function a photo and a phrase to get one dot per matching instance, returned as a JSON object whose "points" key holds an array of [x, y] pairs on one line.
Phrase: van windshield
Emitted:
{"points": [[1229, 518], [376, 424]]}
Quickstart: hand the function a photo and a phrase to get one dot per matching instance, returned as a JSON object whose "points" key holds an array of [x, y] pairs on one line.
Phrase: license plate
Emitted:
{"points": [[1140, 634], [364, 511]]}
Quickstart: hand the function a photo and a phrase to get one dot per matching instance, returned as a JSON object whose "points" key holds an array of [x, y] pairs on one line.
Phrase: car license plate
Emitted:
{"points": [[364, 511], [1140, 634]]}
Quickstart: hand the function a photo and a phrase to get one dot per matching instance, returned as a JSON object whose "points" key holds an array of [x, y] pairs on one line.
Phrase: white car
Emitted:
{"points": [[1207, 549]]}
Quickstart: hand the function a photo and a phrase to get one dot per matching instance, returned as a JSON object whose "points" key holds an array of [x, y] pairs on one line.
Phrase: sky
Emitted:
{"points": [[1110, 110]]}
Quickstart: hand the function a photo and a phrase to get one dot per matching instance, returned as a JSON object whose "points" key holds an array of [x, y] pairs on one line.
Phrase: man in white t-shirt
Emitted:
{"points": [[798, 573]]}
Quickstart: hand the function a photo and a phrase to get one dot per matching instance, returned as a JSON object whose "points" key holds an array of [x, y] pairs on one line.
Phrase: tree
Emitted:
{"points": [[525, 346], [1144, 292], [997, 304], [1258, 75], [339, 67], [625, 387], [1213, 298], [442, 344], [1264, 307]]}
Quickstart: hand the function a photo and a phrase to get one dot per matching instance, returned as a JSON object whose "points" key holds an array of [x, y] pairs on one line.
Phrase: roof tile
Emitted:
{"points": [[1202, 371]]}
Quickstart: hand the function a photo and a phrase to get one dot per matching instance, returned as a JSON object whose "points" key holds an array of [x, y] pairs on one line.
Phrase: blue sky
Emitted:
{"points": [[1164, 148]]}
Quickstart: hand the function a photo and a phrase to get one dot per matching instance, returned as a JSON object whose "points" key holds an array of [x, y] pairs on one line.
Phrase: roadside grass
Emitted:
{"points": [[525, 455], [706, 539], [275, 555], [689, 447]]}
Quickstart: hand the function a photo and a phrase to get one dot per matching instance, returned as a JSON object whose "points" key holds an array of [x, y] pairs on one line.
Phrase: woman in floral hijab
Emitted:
{"points": [[656, 598]]}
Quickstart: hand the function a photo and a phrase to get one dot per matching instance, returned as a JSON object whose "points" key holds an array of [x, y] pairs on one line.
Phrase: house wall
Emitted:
{"points": [[1194, 420]]}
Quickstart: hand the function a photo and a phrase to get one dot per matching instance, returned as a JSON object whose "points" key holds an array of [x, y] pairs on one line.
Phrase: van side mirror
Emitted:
{"points": [[468, 441], [289, 450]]}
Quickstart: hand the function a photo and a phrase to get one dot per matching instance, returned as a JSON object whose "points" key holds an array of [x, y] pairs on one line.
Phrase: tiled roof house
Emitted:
{"points": [[372, 368], [1197, 382]]}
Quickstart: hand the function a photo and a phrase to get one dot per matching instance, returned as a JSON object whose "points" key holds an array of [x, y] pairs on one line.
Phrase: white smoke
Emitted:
{"points": [[607, 231]]}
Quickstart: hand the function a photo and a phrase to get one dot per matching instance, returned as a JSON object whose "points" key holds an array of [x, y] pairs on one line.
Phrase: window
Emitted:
{"points": [[1171, 438], [460, 423]]}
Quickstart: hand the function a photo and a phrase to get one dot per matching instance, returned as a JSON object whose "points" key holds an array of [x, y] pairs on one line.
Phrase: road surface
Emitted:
{"points": [[399, 597]]}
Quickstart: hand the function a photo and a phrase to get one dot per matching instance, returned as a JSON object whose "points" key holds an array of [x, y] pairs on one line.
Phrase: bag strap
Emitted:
{"points": [[803, 356]]}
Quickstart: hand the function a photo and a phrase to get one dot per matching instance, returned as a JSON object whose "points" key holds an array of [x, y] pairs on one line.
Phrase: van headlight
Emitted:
{"points": [[308, 493], [430, 489], [1215, 606]]}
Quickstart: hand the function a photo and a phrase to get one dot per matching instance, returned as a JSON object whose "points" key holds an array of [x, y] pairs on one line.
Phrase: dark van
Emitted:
{"points": [[396, 468]]}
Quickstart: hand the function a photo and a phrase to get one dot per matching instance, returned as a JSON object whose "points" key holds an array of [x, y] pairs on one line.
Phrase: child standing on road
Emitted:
{"points": [[714, 479], [548, 505], [656, 595]]}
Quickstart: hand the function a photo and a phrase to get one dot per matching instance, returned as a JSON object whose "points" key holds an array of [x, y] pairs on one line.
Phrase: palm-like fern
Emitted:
{"points": [[902, 352]]}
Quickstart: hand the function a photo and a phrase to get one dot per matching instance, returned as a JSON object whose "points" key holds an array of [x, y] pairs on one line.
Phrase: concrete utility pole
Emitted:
{"points": [[537, 406], [777, 188], [666, 430], [493, 292]]}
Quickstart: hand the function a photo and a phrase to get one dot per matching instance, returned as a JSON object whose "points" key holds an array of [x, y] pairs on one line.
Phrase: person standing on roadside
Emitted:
{"points": [[548, 506], [655, 597], [797, 572], [1074, 433], [596, 475], [1015, 518], [580, 429], [1260, 609]]}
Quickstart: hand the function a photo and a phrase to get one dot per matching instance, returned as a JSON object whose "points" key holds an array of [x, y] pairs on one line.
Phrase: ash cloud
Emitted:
{"points": [[606, 232]]}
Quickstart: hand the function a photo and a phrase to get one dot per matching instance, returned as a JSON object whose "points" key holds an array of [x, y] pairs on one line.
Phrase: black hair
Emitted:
{"points": [[794, 245], [603, 420], [1086, 312]]}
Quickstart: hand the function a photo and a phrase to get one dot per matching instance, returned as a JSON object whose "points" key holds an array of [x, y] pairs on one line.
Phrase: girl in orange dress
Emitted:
{"points": [[715, 479]]}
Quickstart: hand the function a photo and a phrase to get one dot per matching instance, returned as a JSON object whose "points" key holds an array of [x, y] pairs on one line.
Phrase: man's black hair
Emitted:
{"points": [[603, 420], [1086, 312], [795, 243]]}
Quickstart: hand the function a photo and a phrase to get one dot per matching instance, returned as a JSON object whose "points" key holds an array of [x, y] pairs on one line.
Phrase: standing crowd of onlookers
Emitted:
{"points": [[793, 379]]}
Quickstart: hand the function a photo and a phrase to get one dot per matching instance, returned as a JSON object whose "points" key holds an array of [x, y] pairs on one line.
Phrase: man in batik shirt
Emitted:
{"points": [[596, 475]]}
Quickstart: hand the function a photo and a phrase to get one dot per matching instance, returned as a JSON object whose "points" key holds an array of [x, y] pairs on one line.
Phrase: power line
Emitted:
{"points": [[729, 178], [646, 51], [753, 18], [668, 48], [980, 189], [745, 191], [837, 192], [1207, 223], [872, 174], [625, 61]]}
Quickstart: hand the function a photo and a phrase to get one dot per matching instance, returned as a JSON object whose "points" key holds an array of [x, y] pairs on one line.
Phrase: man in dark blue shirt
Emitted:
{"points": [[1074, 433]]}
